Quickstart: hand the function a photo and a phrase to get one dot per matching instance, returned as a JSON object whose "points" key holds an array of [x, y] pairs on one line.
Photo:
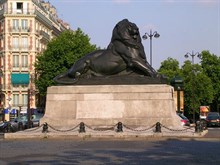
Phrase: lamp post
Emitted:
{"points": [[151, 35], [19, 111], [29, 112], [197, 54], [1, 109], [178, 99], [28, 109]]}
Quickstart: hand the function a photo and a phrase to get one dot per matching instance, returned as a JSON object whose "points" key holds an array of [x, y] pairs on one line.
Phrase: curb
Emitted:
{"points": [[89, 135]]}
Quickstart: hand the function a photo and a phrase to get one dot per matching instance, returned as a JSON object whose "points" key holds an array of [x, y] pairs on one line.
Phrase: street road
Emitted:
{"points": [[214, 132], [159, 151]]}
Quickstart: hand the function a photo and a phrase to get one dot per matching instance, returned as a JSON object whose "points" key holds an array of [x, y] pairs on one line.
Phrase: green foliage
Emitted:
{"points": [[198, 89], [211, 65], [59, 56], [201, 82], [169, 68]]}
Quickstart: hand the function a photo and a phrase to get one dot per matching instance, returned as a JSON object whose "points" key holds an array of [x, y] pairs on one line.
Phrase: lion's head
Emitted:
{"points": [[126, 32]]}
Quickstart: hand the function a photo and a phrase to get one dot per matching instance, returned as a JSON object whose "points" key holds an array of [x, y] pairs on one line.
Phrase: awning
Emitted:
{"points": [[13, 111], [20, 78], [6, 111]]}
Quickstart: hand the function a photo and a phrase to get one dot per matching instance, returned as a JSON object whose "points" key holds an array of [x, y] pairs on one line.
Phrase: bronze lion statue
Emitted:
{"points": [[124, 56]]}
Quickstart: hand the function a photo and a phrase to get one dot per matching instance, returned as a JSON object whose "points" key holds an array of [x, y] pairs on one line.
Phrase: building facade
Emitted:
{"points": [[26, 26]]}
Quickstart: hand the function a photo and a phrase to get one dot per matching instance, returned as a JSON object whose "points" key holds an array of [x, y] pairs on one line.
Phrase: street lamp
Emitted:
{"points": [[192, 55], [197, 54], [19, 111], [151, 35], [1, 109], [29, 112]]}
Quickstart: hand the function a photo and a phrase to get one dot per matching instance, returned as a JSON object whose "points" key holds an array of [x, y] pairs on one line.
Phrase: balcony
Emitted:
{"points": [[20, 68], [45, 35], [43, 18], [19, 29], [18, 12], [19, 48]]}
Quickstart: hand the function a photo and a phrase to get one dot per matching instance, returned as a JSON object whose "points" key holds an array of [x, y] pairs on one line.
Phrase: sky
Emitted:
{"points": [[185, 26]]}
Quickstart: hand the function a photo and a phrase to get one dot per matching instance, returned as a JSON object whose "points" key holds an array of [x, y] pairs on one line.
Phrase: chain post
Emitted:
{"points": [[82, 127], [158, 127], [120, 127], [45, 128]]}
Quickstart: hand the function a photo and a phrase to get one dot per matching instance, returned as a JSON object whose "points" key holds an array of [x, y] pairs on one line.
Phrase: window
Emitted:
{"points": [[19, 7], [0, 43], [37, 45], [24, 42], [36, 26], [15, 99], [24, 61], [15, 25], [2, 26], [15, 44], [24, 24], [15, 61], [24, 99]]}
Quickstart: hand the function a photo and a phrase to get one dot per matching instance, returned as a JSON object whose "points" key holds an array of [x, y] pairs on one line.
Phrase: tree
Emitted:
{"points": [[169, 68], [198, 89], [211, 66], [59, 56]]}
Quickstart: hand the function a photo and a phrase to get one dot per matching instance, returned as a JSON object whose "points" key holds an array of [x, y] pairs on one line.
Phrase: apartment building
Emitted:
{"points": [[26, 26]]}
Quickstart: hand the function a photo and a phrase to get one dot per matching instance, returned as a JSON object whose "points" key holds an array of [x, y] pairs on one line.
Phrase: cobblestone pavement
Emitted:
{"points": [[157, 151]]}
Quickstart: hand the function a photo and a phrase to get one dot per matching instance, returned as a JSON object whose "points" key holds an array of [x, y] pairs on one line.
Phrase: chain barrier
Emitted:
{"points": [[139, 130], [81, 128], [59, 130], [101, 129], [177, 130]]}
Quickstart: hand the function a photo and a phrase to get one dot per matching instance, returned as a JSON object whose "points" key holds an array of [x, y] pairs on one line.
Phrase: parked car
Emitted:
{"points": [[16, 124], [22, 121], [36, 119], [213, 119], [8, 126], [184, 120]]}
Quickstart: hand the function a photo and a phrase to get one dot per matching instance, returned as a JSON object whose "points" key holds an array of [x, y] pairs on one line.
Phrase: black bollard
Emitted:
{"points": [[120, 127], [9, 128], [198, 127], [158, 127], [45, 128], [204, 124], [20, 126], [201, 126], [82, 127]]}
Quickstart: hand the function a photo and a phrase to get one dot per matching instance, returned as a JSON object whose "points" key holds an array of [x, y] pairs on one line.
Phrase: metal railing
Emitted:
{"points": [[19, 29]]}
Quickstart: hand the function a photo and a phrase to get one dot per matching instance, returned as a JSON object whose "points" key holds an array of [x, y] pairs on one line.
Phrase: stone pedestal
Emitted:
{"points": [[106, 105]]}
